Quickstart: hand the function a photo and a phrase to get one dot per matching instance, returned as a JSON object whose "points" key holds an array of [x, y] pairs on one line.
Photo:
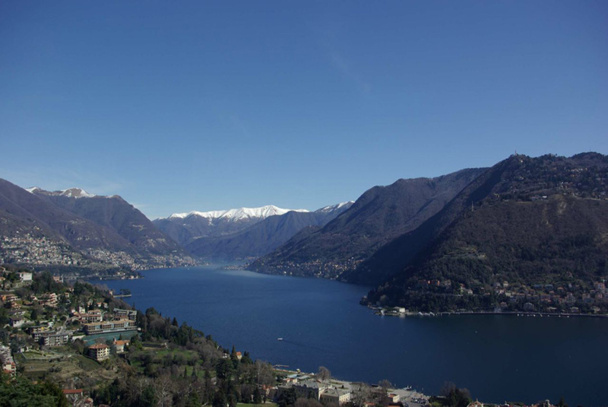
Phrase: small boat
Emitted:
{"points": [[279, 339]]}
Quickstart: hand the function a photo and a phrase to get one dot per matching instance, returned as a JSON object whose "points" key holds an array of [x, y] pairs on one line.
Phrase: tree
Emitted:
{"points": [[454, 396], [20, 391], [287, 398], [264, 373], [223, 369], [219, 399], [324, 374], [257, 396], [385, 384]]}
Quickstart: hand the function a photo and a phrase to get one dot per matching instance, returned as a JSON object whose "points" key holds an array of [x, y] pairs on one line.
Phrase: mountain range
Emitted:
{"points": [[74, 230], [527, 233], [380, 215], [524, 233], [184, 228], [243, 233]]}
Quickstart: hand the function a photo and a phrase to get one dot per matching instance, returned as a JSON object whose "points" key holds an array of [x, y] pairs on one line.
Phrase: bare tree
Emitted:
{"points": [[361, 394], [163, 393], [324, 374], [385, 385]]}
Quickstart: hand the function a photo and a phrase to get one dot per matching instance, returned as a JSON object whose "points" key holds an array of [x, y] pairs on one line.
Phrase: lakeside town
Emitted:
{"points": [[40, 251], [568, 299], [86, 341]]}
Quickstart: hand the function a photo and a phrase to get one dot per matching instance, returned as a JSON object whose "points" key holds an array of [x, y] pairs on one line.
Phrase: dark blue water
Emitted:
{"points": [[498, 358]]}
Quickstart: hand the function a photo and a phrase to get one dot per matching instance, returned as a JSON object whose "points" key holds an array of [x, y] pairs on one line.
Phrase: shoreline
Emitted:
{"points": [[392, 313]]}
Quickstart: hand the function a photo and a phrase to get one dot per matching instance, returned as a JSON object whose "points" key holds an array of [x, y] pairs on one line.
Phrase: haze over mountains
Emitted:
{"points": [[243, 233], [72, 229], [185, 227]]}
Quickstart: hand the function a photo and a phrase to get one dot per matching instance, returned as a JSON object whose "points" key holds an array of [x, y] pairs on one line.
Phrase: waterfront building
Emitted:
{"points": [[109, 326], [125, 313], [335, 396]]}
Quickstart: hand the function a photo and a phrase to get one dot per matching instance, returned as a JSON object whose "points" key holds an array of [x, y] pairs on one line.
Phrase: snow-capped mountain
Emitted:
{"points": [[332, 208], [238, 214], [185, 228], [70, 192], [264, 236]]}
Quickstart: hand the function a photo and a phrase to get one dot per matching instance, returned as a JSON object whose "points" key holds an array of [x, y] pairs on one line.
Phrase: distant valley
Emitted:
{"points": [[244, 233], [527, 234]]}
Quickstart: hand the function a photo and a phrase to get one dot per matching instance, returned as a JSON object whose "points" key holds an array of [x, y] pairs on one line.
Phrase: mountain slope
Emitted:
{"points": [[115, 214], [184, 228], [264, 236], [527, 222], [378, 216], [41, 227]]}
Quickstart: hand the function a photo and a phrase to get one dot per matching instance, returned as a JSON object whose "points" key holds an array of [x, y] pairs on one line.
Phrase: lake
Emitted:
{"points": [[497, 357]]}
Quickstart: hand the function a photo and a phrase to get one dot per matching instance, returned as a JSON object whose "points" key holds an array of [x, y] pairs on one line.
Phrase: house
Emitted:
{"points": [[309, 389], [9, 368], [76, 397], [125, 314], [6, 359], [109, 326], [8, 297], [49, 300], [119, 345], [99, 352], [91, 316], [393, 398], [25, 276], [335, 396], [38, 331], [54, 338], [17, 322]]}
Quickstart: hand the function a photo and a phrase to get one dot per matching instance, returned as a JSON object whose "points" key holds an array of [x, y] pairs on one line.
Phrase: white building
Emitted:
{"points": [[25, 276]]}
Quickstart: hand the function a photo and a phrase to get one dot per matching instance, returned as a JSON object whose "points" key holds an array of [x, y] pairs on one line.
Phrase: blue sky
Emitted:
{"points": [[180, 106]]}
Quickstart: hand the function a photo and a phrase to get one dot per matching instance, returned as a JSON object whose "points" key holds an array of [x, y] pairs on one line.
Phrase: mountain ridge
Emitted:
{"points": [[264, 236], [525, 222], [186, 228], [72, 229], [237, 213], [377, 216]]}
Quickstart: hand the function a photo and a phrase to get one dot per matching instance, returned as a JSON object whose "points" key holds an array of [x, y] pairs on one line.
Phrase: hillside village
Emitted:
{"points": [[99, 351]]}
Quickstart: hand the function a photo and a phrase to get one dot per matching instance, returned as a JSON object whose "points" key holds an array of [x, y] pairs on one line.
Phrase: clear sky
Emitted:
{"points": [[196, 105]]}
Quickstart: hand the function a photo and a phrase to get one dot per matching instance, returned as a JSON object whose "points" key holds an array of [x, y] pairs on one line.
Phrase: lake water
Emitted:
{"points": [[498, 358]]}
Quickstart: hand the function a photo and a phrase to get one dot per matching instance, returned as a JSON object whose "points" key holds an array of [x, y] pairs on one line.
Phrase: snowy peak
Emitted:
{"points": [[331, 208], [70, 192], [238, 214], [76, 193]]}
